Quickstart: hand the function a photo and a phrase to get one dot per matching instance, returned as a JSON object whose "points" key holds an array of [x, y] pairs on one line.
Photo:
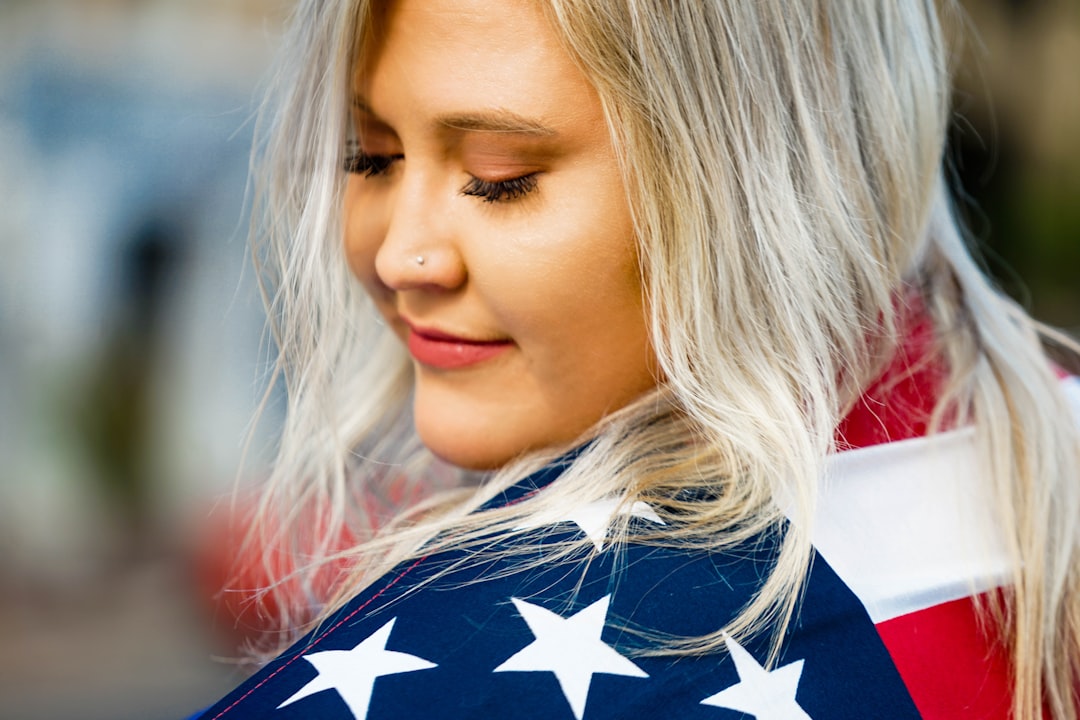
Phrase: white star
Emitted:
{"points": [[765, 695], [571, 648], [352, 672], [595, 517]]}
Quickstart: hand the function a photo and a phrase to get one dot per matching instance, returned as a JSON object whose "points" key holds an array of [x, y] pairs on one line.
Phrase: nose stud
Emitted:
{"points": [[419, 259]]}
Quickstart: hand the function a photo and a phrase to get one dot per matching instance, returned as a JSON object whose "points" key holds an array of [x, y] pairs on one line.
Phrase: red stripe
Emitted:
{"points": [[950, 664], [898, 405], [953, 666]]}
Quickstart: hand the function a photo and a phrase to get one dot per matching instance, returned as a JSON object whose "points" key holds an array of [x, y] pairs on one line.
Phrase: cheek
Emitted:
{"points": [[582, 262], [609, 325], [577, 294], [362, 235]]}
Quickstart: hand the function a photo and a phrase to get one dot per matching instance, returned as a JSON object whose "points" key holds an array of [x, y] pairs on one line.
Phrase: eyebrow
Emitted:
{"points": [[496, 121], [493, 121]]}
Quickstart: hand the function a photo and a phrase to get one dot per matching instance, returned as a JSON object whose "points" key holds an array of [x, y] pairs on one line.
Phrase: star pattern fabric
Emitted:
{"points": [[476, 623], [479, 635], [352, 673], [570, 648], [765, 694], [594, 519]]}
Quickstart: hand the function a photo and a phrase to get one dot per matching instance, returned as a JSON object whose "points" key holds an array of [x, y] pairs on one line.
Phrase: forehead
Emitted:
{"points": [[444, 52], [505, 22]]}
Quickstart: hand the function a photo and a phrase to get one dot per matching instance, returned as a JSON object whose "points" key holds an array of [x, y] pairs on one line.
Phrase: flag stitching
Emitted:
{"points": [[319, 639]]}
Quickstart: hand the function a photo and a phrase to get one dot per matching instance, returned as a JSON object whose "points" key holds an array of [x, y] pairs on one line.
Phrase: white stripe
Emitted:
{"points": [[908, 525]]}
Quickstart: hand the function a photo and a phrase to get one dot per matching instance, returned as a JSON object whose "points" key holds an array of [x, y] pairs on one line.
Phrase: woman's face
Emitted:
{"points": [[486, 217]]}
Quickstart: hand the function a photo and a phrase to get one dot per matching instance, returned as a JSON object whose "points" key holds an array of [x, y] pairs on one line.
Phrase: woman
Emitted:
{"points": [[637, 368]]}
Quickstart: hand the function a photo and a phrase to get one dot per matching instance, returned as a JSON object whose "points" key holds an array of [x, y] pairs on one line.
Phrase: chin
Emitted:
{"points": [[465, 447], [469, 458], [481, 449]]}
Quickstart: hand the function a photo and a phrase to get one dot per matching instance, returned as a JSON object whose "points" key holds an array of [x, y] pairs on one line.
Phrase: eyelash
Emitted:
{"points": [[490, 191], [369, 165], [500, 190]]}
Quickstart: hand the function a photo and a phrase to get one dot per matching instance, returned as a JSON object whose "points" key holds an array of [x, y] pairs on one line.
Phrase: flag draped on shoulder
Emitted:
{"points": [[887, 626], [458, 635]]}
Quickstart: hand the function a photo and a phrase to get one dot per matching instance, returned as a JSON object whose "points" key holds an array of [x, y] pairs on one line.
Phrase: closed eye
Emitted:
{"points": [[500, 190], [369, 165]]}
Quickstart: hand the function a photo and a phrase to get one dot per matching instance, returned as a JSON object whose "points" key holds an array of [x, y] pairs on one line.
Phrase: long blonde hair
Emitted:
{"points": [[783, 163]]}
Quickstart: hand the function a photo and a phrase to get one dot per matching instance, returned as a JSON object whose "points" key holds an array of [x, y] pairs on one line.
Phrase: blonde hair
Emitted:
{"points": [[783, 163]]}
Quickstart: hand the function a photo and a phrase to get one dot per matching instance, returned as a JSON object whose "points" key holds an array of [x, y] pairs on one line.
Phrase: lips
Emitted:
{"points": [[448, 352]]}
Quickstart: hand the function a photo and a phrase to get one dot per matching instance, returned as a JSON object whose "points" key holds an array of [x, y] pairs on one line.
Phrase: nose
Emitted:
{"points": [[419, 248]]}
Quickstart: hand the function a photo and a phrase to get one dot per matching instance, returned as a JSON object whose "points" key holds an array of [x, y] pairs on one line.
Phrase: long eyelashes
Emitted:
{"points": [[500, 190], [490, 191], [369, 165]]}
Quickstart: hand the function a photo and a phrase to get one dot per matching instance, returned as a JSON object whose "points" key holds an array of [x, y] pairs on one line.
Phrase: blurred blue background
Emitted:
{"points": [[131, 346], [130, 343]]}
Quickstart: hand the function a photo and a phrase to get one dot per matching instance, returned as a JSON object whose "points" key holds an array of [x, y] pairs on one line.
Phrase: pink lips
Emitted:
{"points": [[447, 352]]}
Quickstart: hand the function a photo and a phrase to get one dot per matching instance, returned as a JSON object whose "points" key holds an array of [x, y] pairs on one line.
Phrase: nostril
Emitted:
{"points": [[438, 268]]}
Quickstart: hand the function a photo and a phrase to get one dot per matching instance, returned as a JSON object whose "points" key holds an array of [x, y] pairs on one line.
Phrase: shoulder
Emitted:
{"points": [[460, 635]]}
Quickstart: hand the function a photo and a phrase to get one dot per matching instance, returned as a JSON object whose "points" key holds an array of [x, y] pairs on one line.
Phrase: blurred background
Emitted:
{"points": [[131, 347], [131, 352]]}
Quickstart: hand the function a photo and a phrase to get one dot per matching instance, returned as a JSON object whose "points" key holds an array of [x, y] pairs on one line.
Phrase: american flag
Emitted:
{"points": [[886, 628], [455, 635]]}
